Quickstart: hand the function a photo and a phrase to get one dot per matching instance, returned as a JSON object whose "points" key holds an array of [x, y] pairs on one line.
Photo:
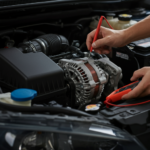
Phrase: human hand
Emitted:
{"points": [[143, 88], [106, 39]]}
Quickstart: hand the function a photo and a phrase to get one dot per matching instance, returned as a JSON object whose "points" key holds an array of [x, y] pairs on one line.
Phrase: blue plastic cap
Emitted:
{"points": [[22, 95]]}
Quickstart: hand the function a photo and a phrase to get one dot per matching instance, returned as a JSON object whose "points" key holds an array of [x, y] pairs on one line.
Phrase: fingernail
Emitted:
{"points": [[93, 45]]}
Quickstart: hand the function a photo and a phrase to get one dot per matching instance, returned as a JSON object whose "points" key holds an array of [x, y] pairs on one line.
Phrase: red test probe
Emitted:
{"points": [[117, 95], [98, 29]]}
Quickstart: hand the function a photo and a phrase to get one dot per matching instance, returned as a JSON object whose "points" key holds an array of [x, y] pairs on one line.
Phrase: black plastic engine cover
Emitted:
{"points": [[134, 119], [31, 70]]}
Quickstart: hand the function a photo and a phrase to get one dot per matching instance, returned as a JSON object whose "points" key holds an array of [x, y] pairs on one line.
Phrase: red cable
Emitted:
{"points": [[98, 29], [107, 103], [108, 22]]}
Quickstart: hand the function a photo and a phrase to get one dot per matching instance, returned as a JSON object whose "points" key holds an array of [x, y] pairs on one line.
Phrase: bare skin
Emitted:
{"points": [[108, 38], [117, 38], [143, 89], [105, 40]]}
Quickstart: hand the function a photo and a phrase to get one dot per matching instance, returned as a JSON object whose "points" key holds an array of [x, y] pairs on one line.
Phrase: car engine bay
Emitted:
{"points": [[49, 55]]}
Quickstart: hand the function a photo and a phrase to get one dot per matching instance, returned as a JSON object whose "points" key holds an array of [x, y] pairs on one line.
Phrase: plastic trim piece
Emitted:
{"points": [[67, 2]]}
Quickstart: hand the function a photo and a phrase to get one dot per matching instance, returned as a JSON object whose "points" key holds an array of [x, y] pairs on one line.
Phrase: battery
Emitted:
{"points": [[124, 57]]}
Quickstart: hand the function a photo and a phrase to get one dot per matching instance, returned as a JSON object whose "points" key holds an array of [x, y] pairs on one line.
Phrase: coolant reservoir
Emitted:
{"points": [[21, 97], [124, 22], [93, 24], [110, 18]]}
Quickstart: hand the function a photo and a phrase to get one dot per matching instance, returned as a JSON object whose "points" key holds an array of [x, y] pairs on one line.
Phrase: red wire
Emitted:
{"points": [[98, 29], [107, 22], [127, 105]]}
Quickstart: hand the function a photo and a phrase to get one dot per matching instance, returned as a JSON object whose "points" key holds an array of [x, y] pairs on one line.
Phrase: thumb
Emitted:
{"points": [[137, 74], [100, 43]]}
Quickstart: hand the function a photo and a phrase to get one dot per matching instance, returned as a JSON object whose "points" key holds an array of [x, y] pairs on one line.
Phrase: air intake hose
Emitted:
{"points": [[49, 44]]}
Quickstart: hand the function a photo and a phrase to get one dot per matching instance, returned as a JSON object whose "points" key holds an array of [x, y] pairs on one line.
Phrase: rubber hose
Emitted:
{"points": [[52, 110], [11, 32]]}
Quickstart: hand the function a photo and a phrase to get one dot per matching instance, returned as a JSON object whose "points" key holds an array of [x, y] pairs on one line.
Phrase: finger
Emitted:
{"points": [[105, 52], [102, 51], [138, 74], [145, 93], [106, 47], [135, 92], [98, 51], [89, 39], [100, 43], [146, 88]]}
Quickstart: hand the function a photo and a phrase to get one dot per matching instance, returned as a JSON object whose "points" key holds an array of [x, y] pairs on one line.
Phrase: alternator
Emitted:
{"points": [[89, 77]]}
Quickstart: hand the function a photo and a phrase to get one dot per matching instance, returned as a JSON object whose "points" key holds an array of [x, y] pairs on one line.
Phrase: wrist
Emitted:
{"points": [[127, 36]]}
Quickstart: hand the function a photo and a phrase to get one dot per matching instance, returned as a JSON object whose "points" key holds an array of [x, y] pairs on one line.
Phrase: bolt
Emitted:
{"points": [[77, 45], [132, 111], [123, 115]]}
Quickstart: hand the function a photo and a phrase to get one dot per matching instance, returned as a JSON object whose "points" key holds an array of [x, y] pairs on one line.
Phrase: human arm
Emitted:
{"points": [[117, 38]]}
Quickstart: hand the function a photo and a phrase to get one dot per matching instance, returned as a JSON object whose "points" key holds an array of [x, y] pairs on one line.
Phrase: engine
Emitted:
{"points": [[58, 71]]}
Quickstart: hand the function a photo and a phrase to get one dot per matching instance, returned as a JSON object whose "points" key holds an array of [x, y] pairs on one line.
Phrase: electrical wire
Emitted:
{"points": [[87, 19], [129, 105], [98, 29], [39, 109], [52, 24], [129, 51], [19, 31], [138, 66], [12, 31]]}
